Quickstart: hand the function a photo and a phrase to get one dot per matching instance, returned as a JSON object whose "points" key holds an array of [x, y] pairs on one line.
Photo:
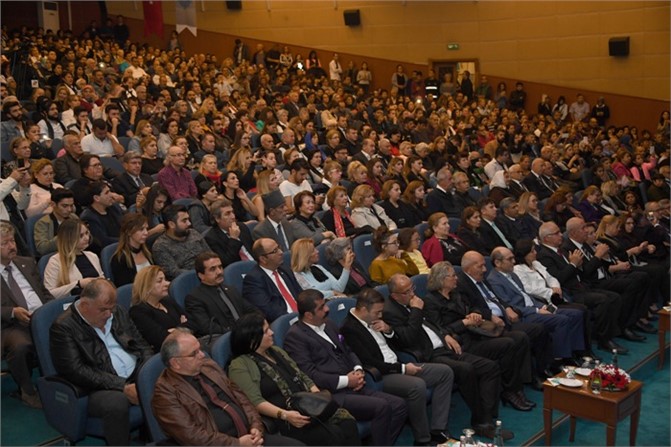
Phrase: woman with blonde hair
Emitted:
{"points": [[151, 161], [366, 212], [357, 173], [132, 254], [610, 191], [142, 130], [529, 215], [194, 134], [311, 275], [154, 313], [208, 171], [71, 268], [395, 172], [266, 181], [244, 165]]}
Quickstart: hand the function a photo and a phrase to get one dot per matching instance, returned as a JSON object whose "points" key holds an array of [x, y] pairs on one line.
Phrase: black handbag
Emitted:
{"points": [[318, 405]]}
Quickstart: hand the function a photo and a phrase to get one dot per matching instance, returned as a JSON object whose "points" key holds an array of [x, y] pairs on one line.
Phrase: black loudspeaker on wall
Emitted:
{"points": [[234, 4], [352, 17], [618, 46]]}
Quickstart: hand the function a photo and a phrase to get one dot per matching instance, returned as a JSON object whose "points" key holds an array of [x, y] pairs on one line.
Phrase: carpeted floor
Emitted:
{"points": [[25, 426]]}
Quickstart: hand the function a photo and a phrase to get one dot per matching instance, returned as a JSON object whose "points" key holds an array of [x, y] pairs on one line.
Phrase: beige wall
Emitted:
{"points": [[563, 43]]}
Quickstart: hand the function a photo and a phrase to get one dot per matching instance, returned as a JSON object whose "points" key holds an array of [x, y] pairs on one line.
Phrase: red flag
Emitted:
{"points": [[153, 18]]}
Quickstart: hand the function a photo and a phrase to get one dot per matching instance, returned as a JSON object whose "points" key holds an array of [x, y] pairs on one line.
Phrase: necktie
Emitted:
{"points": [[240, 426], [19, 298], [589, 254], [527, 299], [138, 182], [281, 239], [229, 304], [489, 297], [501, 236], [285, 293]]}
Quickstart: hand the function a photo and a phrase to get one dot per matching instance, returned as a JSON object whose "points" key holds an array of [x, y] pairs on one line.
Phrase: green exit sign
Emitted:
{"points": [[452, 46]]}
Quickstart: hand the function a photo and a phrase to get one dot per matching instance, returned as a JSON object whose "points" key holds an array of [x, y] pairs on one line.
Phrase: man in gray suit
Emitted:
{"points": [[275, 226], [22, 293]]}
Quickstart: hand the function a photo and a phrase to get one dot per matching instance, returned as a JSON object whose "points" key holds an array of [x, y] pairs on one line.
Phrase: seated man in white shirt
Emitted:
{"points": [[100, 142], [296, 183]]}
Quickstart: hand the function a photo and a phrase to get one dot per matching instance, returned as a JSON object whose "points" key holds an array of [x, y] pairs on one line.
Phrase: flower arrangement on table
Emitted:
{"points": [[612, 377]]}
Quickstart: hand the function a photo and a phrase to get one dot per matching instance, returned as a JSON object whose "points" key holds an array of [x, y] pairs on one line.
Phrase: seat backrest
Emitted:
{"points": [[30, 233], [286, 259], [221, 350], [420, 281], [339, 308], [123, 296], [111, 163], [106, 259], [421, 228], [42, 263], [455, 222], [124, 141], [40, 324], [251, 224], [383, 289], [280, 327], [321, 248], [182, 285], [235, 273], [146, 380], [187, 201], [362, 246]]}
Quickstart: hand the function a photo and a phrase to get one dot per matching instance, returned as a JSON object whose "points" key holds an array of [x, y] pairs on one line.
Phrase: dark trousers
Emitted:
{"points": [[17, 345], [479, 382], [566, 329], [343, 433], [632, 288], [540, 345], [413, 389], [511, 351], [386, 413], [605, 306], [112, 407]]}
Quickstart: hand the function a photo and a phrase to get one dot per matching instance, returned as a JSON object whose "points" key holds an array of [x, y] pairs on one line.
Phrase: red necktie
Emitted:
{"points": [[285, 293], [232, 412]]}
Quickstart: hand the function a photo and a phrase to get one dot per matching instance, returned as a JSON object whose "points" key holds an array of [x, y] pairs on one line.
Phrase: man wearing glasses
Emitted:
{"points": [[175, 178], [95, 345], [269, 285], [222, 414]]}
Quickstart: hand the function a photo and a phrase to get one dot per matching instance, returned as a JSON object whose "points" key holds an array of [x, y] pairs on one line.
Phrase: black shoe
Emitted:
{"points": [[424, 443], [440, 437], [489, 431], [630, 335], [645, 327], [515, 401], [530, 403], [537, 384], [609, 345]]}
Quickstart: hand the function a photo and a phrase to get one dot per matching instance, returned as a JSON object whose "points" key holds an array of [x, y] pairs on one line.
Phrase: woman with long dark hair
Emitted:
{"points": [[132, 254]]}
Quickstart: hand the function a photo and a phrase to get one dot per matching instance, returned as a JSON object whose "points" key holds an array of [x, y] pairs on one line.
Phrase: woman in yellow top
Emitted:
{"points": [[389, 261], [408, 243]]}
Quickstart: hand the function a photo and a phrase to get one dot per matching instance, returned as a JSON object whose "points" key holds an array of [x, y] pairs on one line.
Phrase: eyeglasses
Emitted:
{"points": [[192, 355], [391, 243], [275, 251]]}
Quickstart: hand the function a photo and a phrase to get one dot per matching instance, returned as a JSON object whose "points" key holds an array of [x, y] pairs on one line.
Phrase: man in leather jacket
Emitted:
{"points": [[95, 345]]}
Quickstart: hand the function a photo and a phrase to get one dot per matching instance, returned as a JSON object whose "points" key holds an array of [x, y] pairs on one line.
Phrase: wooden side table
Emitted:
{"points": [[607, 407], [663, 328]]}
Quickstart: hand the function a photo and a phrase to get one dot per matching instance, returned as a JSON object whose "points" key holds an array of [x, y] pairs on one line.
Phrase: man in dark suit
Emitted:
{"points": [[270, 286], [479, 379], [367, 333], [313, 342], [212, 307], [565, 325], [492, 235], [616, 276], [275, 226], [230, 240], [516, 186], [537, 182], [22, 293], [507, 220], [604, 304], [131, 181], [491, 308], [440, 199]]}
